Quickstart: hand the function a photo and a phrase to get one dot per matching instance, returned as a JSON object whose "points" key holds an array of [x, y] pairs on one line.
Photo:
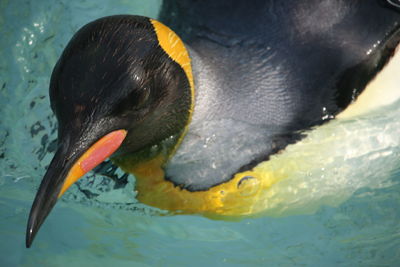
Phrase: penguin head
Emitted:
{"points": [[115, 75], [115, 90]]}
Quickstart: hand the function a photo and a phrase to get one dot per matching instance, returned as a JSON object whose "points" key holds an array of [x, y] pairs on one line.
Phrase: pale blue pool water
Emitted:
{"points": [[352, 221]]}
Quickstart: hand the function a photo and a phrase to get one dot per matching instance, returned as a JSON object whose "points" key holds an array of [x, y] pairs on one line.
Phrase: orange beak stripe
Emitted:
{"points": [[95, 155]]}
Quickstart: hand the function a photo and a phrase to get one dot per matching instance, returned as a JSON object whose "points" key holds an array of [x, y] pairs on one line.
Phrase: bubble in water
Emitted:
{"points": [[248, 186]]}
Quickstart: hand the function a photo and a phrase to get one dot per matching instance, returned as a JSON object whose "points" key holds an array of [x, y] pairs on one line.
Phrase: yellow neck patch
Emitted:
{"points": [[244, 195], [174, 47], [176, 50]]}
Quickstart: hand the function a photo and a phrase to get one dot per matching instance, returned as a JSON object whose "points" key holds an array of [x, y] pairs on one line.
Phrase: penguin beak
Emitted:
{"points": [[64, 170]]}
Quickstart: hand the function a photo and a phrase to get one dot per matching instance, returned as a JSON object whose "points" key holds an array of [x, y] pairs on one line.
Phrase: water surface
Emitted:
{"points": [[342, 208]]}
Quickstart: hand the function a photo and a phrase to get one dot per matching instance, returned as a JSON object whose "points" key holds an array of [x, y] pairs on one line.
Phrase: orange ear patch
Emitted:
{"points": [[174, 47]]}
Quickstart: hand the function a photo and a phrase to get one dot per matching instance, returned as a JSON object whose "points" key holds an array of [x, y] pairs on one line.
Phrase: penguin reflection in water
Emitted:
{"points": [[199, 121]]}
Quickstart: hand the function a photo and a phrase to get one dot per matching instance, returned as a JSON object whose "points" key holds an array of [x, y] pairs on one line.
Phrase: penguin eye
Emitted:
{"points": [[140, 98], [136, 100]]}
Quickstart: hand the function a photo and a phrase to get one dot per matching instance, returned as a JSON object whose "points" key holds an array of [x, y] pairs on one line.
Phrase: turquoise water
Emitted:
{"points": [[345, 212]]}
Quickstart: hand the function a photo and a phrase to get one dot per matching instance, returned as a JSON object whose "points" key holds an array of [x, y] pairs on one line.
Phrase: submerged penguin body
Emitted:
{"points": [[199, 124]]}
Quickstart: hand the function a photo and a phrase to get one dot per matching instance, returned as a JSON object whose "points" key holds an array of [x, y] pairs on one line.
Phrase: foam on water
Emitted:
{"points": [[338, 204]]}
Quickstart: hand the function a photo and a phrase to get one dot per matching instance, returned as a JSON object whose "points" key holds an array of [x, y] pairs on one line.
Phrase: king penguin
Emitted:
{"points": [[197, 118]]}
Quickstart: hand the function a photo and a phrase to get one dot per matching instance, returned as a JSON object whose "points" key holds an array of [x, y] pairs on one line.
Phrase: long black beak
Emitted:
{"points": [[65, 169], [48, 193]]}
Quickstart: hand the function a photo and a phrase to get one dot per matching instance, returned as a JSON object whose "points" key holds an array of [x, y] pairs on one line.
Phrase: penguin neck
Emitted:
{"points": [[150, 160], [155, 155]]}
